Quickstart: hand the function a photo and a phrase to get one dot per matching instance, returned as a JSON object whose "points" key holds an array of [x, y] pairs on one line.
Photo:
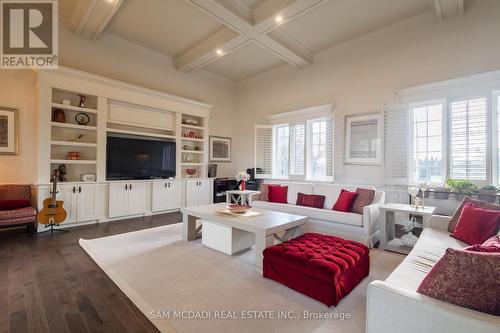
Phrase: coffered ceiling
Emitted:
{"points": [[238, 39]]}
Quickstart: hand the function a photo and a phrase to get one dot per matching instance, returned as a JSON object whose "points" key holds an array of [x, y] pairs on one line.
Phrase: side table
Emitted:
{"points": [[388, 221], [241, 197]]}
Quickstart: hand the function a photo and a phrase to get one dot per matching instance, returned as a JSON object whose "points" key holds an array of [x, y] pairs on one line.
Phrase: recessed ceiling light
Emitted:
{"points": [[111, 1], [219, 51], [278, 19]]}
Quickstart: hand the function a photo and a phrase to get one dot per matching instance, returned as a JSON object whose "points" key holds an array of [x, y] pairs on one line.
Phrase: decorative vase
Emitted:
{"points": [[243, 185]]}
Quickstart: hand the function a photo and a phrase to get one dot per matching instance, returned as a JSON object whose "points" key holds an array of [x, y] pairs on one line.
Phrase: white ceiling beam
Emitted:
{"points": [[278, 43], [91, 17], [445, 9]]}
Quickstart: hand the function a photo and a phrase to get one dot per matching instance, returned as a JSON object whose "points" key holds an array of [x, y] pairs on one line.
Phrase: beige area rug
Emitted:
{"points": [[169, 278]]}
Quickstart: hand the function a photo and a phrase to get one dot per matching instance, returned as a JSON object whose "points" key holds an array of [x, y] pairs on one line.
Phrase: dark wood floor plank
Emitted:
{"points": [[49, 284]]}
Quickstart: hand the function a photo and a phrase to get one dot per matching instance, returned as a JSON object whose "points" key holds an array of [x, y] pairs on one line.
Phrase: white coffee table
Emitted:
{"points": [[264, 226]]}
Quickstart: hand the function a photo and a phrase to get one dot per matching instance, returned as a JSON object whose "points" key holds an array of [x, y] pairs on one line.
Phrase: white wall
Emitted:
{"points": [[119, 59], [361, 75]]}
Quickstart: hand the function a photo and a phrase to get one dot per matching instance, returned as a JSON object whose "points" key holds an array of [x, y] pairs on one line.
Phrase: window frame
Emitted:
{"points": [[309, 150], [275, 152], [444, 141], [495, 154]]}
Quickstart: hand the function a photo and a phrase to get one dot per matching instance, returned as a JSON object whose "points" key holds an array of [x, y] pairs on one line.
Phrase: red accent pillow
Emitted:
{"points": [[493, 241], [345, 201], [476, 224], [490, 245], [310, 200], [14, 204], [364, 198], [454, 279], [278, 194], [264, 191]]}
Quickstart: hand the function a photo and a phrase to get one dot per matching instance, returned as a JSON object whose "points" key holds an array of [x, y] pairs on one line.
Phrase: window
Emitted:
{"points": [[282, 144], [297, 149], [427, 138], [463, 124], [468, 139], [320, 152]]}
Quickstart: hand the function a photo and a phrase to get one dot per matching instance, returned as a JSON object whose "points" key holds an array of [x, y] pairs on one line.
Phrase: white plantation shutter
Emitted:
{"points": [[263, 151], [396, 141], [329, 148], [468, 145], [297, 149]]}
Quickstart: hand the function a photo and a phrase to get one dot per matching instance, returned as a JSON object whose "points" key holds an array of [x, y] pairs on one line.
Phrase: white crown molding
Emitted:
{"points": [[466, 85], [325, 110]]}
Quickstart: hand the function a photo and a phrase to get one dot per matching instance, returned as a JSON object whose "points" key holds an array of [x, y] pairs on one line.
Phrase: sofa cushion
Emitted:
{"points": [[364, 198], [456, 216], [476, 224], [294, 188], [311, 200], [278, 194], [14, 204], [17, 213], [345, 201], [15, 192], [430, 247], [326, 215], [332, 191], [454, 279], [264, 191]]}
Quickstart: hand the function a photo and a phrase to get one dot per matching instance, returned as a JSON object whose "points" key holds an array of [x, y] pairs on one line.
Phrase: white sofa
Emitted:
{"points": [[394, 306], [363, 228]]}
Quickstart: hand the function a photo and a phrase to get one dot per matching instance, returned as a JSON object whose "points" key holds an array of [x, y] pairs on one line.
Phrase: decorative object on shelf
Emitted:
{"points": [[58, 116], [8, 131], [66, 102], [413, 191], [187, 147], [73, 155], [88, 177], [409, 239], [242, 177], [190, 121], [189, 158], [63, 173], [83, 99], [423, 187], [363, 143], [197, 148], [191, 172], [488, 193], [191, 134], [82, 118], [77, 137], [220, 149]]}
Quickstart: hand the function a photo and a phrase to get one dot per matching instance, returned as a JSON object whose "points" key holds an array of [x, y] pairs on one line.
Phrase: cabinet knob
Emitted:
{"points": [[130, 186], [79, 189], [74, 189], [126, 186]]}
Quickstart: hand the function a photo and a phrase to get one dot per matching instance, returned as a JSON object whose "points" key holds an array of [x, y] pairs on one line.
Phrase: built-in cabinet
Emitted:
{"points": [[167, 195], [127, 198], [199, 192]]}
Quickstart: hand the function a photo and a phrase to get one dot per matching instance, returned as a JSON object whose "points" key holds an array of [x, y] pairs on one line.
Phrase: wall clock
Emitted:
{"points": [[82, 118]]}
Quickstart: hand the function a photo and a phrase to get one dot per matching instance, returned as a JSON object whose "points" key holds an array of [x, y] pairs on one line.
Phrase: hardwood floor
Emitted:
{"points": [[49, 284]]}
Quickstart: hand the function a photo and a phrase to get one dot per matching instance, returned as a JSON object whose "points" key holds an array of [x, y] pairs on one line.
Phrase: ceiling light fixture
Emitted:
{"points": [[278, 19], [219, 51]]}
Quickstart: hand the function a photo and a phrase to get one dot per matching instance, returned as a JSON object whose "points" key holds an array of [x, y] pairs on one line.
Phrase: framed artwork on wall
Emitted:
{"points": [[8, 131], [220, 149], [363, 141]]}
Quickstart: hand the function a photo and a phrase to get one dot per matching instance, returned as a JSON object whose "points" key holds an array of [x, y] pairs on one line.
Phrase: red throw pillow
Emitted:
{"points": [[345, 201], [476, 224], [364, 198], [14, 204], [490, 245], [264, 191], [278, 194], [493, 241], [483, 204], [454, 279], [310, 200]]}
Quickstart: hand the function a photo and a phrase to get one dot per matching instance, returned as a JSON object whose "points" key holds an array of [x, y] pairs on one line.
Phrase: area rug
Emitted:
{"points": [[185, 287]]}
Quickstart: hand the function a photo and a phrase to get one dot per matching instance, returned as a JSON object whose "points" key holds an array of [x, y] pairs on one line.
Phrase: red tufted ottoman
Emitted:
{"points": [[323, 267]]}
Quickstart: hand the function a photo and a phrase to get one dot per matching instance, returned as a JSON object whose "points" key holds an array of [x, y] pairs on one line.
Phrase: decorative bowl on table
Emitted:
{"points": [[238, 209]]}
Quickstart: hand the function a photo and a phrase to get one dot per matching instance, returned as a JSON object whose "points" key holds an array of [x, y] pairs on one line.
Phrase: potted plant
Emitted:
{"points": [[488, 193], [461, 187]]}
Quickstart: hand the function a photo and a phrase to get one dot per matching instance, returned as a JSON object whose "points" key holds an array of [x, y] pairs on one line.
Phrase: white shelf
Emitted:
{"points": [[191, 164], [73, 108], [192, 151], [75, 126], [165, 136], [82, 162], [192, 139], [193, 126], [73, 144]]}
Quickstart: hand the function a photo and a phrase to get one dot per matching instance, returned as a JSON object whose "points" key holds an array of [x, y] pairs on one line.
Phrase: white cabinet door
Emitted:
{"points": [[192, 188], [65, 193], [160, 196], [136, 198], [86, 203], [204, 192], [118, 199], [175, 194]]}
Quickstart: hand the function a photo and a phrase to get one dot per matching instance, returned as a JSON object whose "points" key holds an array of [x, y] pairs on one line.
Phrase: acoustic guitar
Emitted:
{"points": [[53, 212]]}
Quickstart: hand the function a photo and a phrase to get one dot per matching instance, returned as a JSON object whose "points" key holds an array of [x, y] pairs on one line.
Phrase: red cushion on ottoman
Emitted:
{"points": [[323, 267]]}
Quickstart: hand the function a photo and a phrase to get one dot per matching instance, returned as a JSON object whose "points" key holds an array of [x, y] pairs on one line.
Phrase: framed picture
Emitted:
{"points": [[363, 142], [220, 149], [8, 131]]}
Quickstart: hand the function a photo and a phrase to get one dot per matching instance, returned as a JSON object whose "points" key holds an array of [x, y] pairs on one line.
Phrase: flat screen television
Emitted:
{"points": [[137, 157]]}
